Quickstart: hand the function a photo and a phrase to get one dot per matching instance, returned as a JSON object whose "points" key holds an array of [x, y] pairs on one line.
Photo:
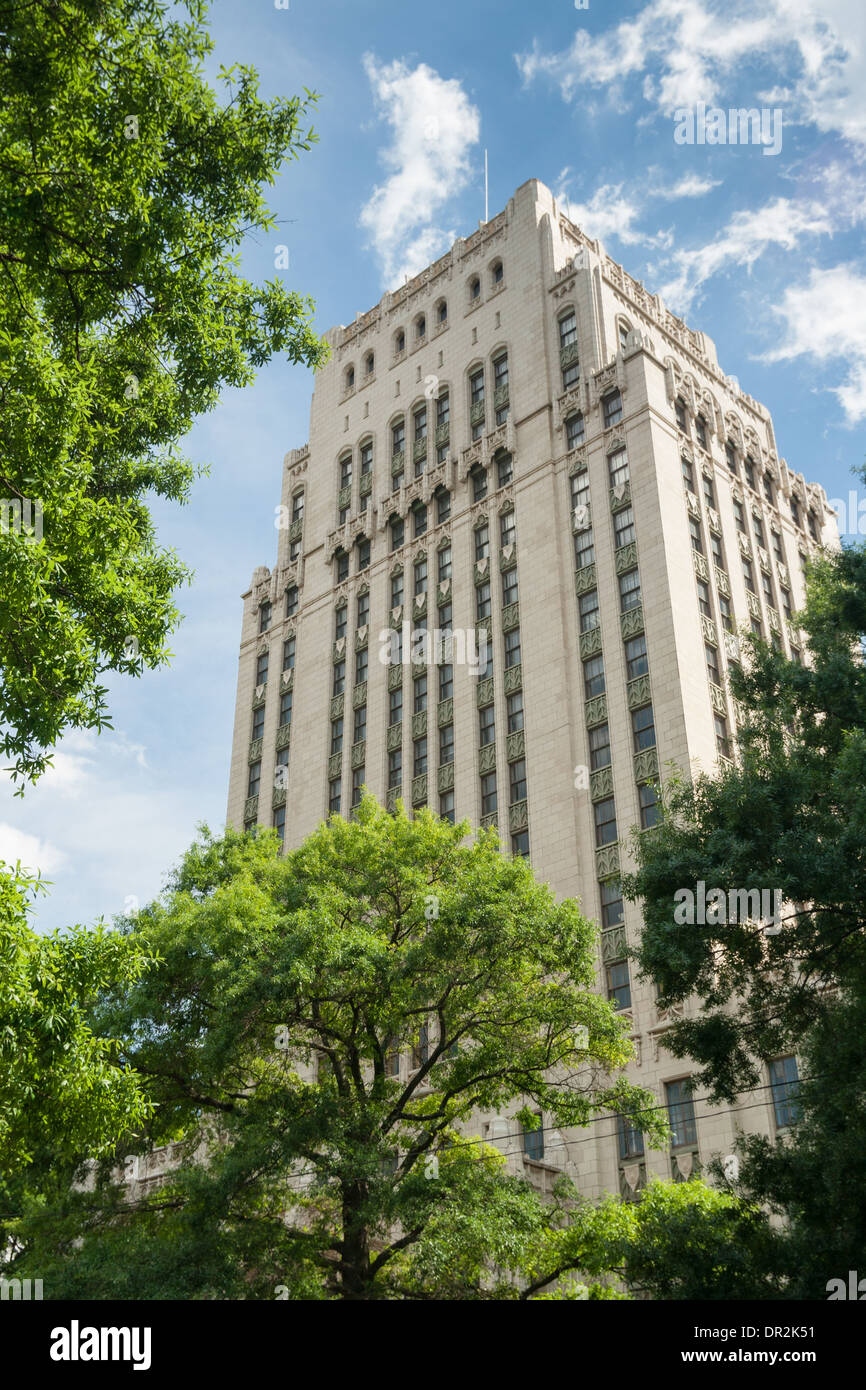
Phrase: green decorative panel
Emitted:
{"points": [[484, 692], [394, 737], [595, 710], [398, 463], [508, 557], [607, 861], [251, 808], [359, 694], [584, 579], [395, 616], [515, 746], [601, 784], [442, 435], [725, 764], [344, 497], [476, 414], [419, 606], [362, 637], [419, 789], [722, 581], [484, 625], [395, 676], [419, 450], [510, 616], [625, 558], [487, 758], [500, 397], [259, 700], [714, 520], [717, 698], [419, 724], [489, 822], [590, 643], [708, 628], [632, 1181], [702, 569], [443, 591], [279, 797], [445, 777], [614, 944], [513, 679], [296, 529], [287, 680], [358, 750], [255, 751], [518, 815], [445, 712], [685, 1165], [632, 622], [284, 736], [620, 497], [335, 766], [336, 709], [338, 651], [637, 692], [646, 765], [773, 617], [481, 573], [754, 605], [568, 355], [392, 796], [365, 485], [419, 668]]}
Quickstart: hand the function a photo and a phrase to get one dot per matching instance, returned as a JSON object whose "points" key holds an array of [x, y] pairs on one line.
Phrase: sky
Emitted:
{"points": [[761, 247]]}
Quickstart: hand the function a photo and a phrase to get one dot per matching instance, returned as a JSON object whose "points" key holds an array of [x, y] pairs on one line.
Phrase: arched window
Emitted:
{"points": [[369, 364], [442, 311], [474, 288], [298, 507], [623, 329], [363, 553], [341, 560], [399, 341], [497, 272], [421, 326], [478, 477], [350, 378]]}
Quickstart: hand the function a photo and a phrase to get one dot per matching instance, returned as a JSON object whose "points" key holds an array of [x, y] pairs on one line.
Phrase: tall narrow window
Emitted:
{"points": [[681, 1114], [612, 408]]}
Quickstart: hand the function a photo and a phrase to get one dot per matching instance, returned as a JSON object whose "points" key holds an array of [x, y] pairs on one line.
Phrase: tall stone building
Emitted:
{"points": [[523, 441]]}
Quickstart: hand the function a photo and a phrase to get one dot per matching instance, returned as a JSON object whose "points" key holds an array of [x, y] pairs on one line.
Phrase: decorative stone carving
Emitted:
{"points": [[595, 710]]}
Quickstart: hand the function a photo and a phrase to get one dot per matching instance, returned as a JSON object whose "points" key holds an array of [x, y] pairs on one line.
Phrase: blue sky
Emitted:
{"points": [[763, 252]]}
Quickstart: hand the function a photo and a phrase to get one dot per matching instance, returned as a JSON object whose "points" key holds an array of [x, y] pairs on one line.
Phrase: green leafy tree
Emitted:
{"points": [[126, 190], [268, 1032]]}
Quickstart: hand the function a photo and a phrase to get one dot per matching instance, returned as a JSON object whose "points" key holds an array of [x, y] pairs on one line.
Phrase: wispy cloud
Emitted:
{"points": [[434, 128], [35, 854], [825, 321]]}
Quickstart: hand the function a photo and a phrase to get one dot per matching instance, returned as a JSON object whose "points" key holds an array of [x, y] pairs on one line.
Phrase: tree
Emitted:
{"points": [[127, 190], [790, 817], [267, 1031]]}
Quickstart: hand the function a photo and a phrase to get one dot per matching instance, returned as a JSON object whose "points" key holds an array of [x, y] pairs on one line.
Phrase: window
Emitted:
{"points": [[515, 712], [716, 551], [359, 730], [612, 408], [262, 668], [709, 491], [292, 598], [636, 663], [361, 666], [567, 329], [785, 1083], [593, 677], [363, 610], [446, 681], [681, 1114], [726, 614], [487, 669], [520, 844], [704, 598], [623, 332], [369, 364], [497, 272], [701, 432], [623, 528], [599, 747], [419, 519], [574, 431], [443, 563], [474, 288], [479, 482], [739, 516], [481, 536], [584, 548], [509, 587], [589, 614], [486, 726], [618, 985], [795, 655], [336, 736], [723, 740], [443, 505], [517, 780], [476, 386], [768, 490], [254, 778], [500, 381], [757, 629], [342, 566], [419, 693], [786, 601], [813, 527], [395, 706], [398, 532], [357, 786], [298, 507], [289, 647], [748, 575], [334, 797], [420, 326], [443, 410], [488, 794], [264, 617], [396, 589], [340, 621], [339, 677], [282, 761], [767, 586], [507, 529], [398, 437], [350, 378], [533, 1142], [483, 603], [399, 341], [446, 807], [420, 577], [758, 528], [345, 471], [777, 548], [295, 547], [512, 648], [258, 728], [611, 903], [442, 311], [419, 765], [749, 470], [504, 467], [285, 709], [363, 554], [688, 473], [795, 512], [731, 456], [629, 1139], [629, 590], [605, 822], [643, 728], [649, 810], [395, 768], [680, 412], [617, 464], [712, 664], [446, 744]]}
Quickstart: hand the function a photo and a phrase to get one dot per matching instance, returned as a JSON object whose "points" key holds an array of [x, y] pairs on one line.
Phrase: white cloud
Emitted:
{"points": [[35, 854], [825, 320], [434, 127], [692, 186]]}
